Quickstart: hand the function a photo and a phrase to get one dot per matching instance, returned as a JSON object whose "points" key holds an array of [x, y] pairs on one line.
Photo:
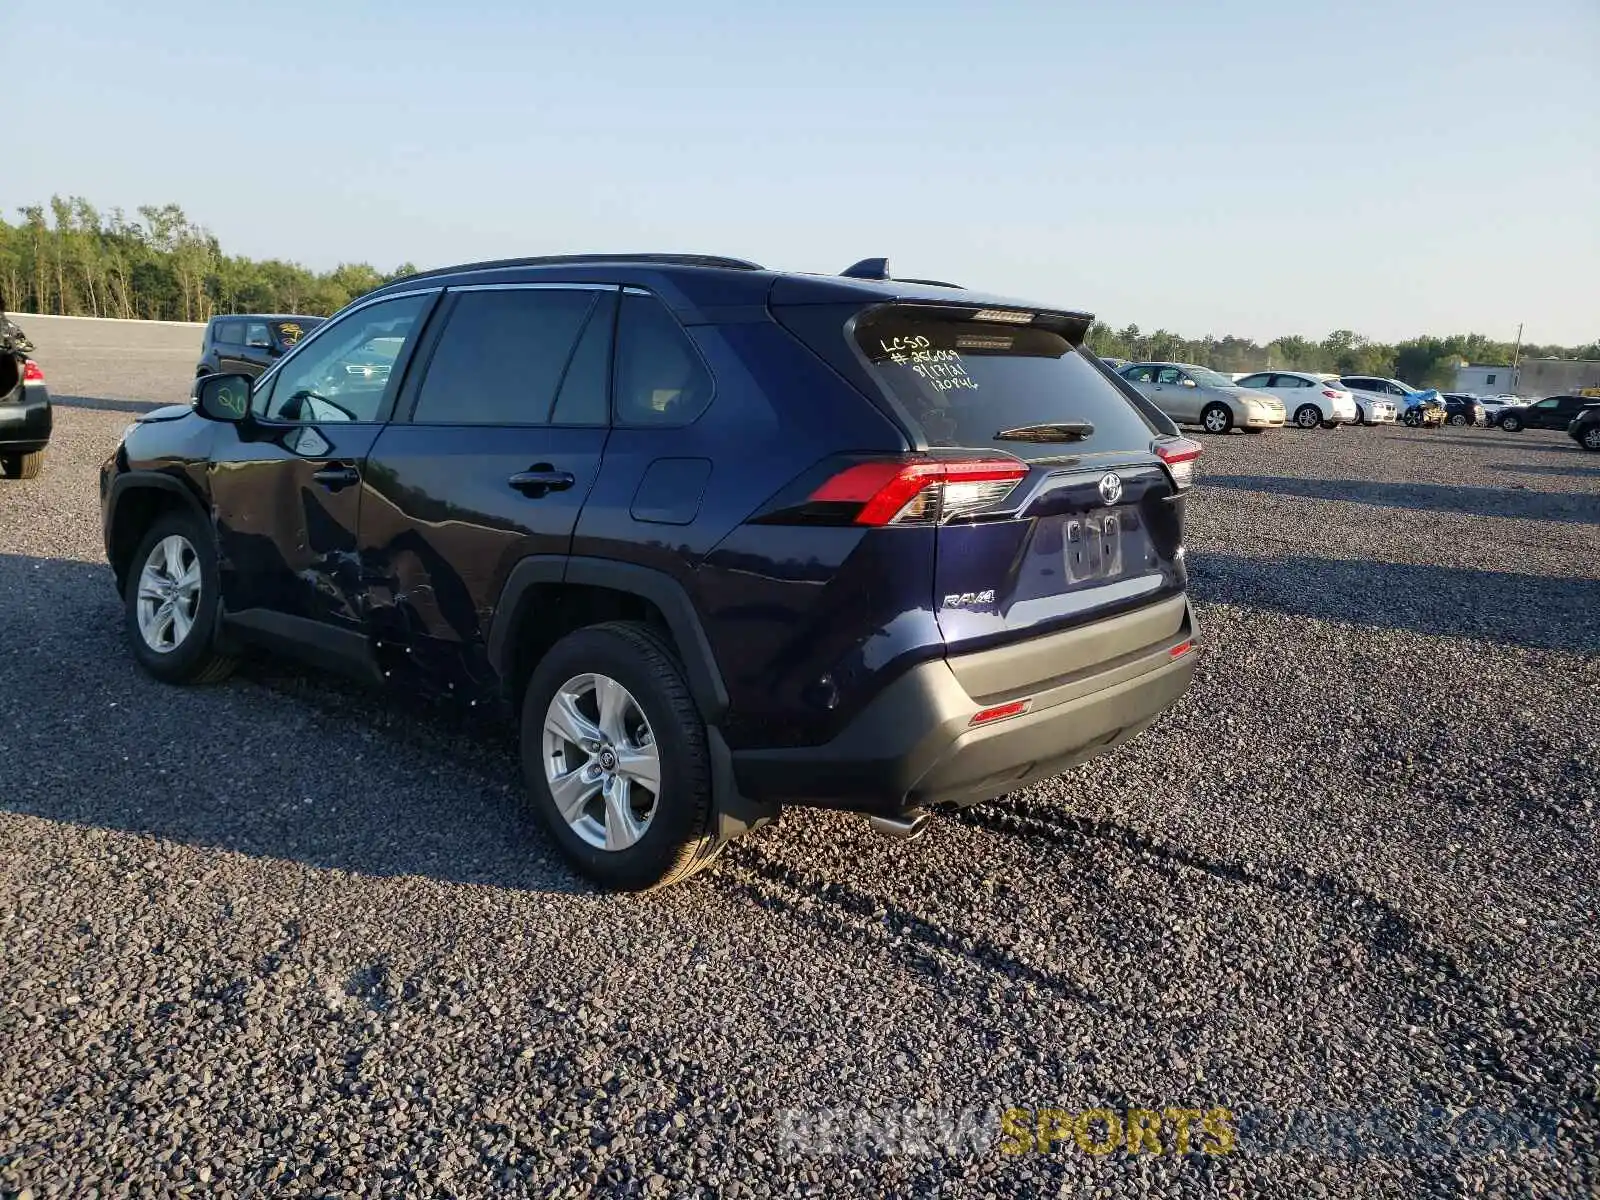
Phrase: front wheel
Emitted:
{"points": [[23, 466], [1591, 438], [1412, 418], [1511, 423], [1308, 416], [1217, 418], [1457, 418], [615, 757], [171, 599]]}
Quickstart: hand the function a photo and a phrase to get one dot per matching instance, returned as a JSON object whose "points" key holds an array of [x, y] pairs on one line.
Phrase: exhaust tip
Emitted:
{"points": [[905, 826]]}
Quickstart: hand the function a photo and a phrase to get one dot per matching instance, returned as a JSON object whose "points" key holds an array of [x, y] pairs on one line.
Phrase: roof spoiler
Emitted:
{"points": [[878, 268]]}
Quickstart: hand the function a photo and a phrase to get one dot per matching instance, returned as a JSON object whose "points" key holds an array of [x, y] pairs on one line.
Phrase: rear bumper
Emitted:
{"points": [[25, 424], [915, 745]]}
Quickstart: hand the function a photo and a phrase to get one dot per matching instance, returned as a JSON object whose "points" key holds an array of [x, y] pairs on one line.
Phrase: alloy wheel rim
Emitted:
{"points": [[1591, 438], [1216, 420], [601, 762], [1309, 418], [169, 594]]}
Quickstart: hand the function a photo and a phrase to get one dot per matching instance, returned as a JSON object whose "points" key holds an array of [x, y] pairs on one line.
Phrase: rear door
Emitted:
{"points": [[495, 447], [1088, 531]]}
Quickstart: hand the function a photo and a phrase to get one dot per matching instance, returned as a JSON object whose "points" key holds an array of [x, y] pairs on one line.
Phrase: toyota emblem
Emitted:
{"points": [[1111, 487]]}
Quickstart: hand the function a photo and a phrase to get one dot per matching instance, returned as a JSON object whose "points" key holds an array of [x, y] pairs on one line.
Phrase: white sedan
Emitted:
{"points": [[1308, 398]]}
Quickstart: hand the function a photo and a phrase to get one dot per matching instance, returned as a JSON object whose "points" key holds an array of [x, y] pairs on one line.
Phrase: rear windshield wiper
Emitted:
{"points": [[1062, 431]]}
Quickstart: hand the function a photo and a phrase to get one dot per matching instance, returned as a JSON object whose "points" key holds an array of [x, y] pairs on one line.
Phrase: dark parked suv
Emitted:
{"points": [[725, 539], [1553, 412], [249, 343]]}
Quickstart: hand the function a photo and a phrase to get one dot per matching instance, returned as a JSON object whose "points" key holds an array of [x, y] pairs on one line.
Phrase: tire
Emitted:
{"points": [[22, 466], [1591, 438], [1216, 418], [1308, 416], [193, 656], [1413, 418], [1457, 418], [1511, 423], [669, 834]]}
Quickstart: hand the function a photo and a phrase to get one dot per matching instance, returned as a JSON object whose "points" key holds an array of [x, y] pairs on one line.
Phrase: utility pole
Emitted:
{"points": [[1516, 357]]}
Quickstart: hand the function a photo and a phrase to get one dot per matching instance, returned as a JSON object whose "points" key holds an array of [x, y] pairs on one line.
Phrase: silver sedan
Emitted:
{"points": [[1194, 395]]}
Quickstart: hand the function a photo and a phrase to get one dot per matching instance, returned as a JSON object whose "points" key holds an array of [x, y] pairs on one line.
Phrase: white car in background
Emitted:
{"points": [[1309, 398]]}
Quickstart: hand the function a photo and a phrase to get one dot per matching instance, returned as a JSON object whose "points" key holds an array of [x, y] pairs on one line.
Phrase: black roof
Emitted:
{"points": [[705, 288]]}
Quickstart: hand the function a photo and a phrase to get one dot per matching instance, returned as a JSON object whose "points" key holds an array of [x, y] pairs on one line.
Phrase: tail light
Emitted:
{"points": [[923, 492], [1330, 394], [31, 372], [1179, 454]]}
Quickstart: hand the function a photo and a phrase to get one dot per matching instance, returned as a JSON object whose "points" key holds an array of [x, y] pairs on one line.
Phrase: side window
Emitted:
{"points": [[229, 333], [1169, 375], [344, 373], [1141, 375], [1289, 381], [660, 379], [504, 354], [1254, 381], [1552, 402], [256, 335], [1356, 383]]}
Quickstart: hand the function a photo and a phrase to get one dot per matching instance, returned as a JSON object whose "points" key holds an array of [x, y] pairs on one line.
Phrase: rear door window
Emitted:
{"points": [[1140, 375], [504, 356], [961, 382]]}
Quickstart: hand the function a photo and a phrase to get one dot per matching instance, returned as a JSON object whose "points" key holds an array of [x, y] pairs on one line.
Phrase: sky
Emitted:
{"points": [[1253, 167]]}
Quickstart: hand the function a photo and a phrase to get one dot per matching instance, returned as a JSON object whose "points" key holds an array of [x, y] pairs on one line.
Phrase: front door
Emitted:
{"points": [[286, 486], [488, 461], [1176, 395]]}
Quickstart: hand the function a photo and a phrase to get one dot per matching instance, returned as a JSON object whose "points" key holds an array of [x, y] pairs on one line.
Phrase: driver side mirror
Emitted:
{"points": [[1188, 383], [222, 397]]}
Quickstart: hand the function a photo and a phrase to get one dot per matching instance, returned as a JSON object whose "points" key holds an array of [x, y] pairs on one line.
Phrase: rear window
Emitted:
{"points": [[290, 332], [962, 382]]}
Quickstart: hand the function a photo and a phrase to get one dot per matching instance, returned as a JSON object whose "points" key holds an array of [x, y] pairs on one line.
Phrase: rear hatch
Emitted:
{"points": [[1057, 508]]}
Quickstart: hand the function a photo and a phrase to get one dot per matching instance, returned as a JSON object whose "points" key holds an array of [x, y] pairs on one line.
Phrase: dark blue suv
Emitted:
{"points": [[725, 539]]}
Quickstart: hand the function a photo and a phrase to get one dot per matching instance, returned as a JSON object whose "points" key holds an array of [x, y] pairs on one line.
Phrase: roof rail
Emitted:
{"points": [[933, 283], [552, 260]]}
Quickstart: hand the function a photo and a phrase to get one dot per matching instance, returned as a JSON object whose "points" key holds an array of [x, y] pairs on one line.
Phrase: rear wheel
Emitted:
{"points": [[1217, 418], [22, 466], [1591, 438], [614, 752], [1457, 418], [1511, 423], [171, 600], [1308, 416]]}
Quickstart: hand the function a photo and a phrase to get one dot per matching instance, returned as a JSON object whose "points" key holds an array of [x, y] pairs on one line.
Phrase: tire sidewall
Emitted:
{"points": [[682, 816], [1511, 424], [195, 652], [1299, 416]]}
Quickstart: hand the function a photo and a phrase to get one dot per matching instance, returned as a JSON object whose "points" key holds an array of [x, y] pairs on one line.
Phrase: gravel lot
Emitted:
{"points": [[282, 934]]}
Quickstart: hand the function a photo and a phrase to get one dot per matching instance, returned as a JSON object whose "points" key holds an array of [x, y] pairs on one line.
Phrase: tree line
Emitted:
{"points": [[69, 258]]}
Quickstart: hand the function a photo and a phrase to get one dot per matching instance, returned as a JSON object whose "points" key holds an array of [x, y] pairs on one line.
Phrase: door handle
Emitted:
{"points": [[541, 478], [334, 478]]}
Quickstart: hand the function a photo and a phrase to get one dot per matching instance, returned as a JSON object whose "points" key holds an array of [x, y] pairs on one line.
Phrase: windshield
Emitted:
{"points": [[963, 382], [1209, 378]]}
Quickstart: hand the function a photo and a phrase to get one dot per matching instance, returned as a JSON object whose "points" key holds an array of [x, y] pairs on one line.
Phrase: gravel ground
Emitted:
{"points": [[280, 935]]}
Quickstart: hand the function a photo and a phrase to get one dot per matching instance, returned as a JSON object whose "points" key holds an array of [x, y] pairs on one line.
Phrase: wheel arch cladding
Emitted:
{"points": [[587, 591], [137, 500]]}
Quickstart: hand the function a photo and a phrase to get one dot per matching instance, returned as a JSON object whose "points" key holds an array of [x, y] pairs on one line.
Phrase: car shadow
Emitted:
{"points": [[1546, 469], [111, 404], [1570, 507], [1522, 441], [274, 763], [1539, 611]]}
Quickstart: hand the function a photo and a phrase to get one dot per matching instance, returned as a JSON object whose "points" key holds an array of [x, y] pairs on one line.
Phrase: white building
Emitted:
{"points": [[1484, 380], [1533, 377]]}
